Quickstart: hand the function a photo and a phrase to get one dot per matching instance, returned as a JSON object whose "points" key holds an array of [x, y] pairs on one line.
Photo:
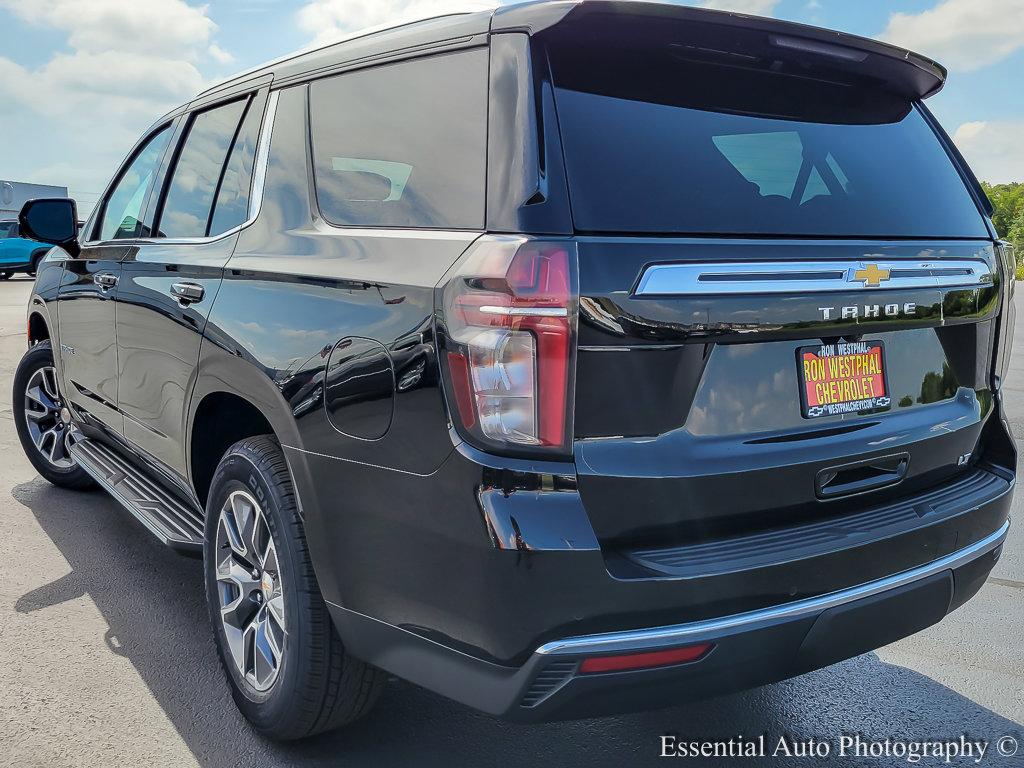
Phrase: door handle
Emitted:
{"points": [[105, 280], [188, 293]]}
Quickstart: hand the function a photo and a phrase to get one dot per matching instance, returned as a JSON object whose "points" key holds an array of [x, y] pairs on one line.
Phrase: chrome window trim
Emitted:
{"points": [[777, 277], [680, 634], [259, 179]]}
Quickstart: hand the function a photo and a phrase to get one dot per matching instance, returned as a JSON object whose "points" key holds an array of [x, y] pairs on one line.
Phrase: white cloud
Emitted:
{"points": [[961, 34], [219, 55], [752, 7], [152, 27], [993, 149], [126, 63]]}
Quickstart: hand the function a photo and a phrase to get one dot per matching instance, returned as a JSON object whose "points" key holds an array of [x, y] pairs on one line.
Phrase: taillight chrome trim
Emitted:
{"points": [[525, 311], [795, 277]]}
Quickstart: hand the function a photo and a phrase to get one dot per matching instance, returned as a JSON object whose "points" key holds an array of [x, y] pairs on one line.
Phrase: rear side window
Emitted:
{"points": [[232, 206], [656, 142], [197, 173], [7, 229], [403, 145], [122, 210]]}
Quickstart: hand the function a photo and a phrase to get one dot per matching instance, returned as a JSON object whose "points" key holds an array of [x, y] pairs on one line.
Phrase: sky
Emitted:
{"points": [[80, 80]]}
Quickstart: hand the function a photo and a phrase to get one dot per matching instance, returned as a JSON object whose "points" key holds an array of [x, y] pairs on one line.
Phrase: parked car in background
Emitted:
{"points": [[564, 359], [17, 253]]}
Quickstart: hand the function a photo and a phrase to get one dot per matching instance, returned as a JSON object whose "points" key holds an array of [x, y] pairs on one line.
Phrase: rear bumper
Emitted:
{"points": [[749, 649], [485, 582]]}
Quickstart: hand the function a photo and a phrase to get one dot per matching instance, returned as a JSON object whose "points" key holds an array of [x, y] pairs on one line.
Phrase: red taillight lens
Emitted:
{"points": [[644, 660], [1004, 341], [509, 316]]}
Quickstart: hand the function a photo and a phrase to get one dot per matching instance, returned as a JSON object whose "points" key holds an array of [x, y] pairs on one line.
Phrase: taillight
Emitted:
{"points": [[1004, 341], [508, 319]]}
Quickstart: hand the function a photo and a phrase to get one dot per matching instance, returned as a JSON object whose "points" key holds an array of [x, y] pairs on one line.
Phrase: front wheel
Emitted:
{"points": [[43, 421], [288, 671]]}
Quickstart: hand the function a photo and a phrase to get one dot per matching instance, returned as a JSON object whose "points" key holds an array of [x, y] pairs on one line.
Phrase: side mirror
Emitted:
{"points": [[53, 221]]}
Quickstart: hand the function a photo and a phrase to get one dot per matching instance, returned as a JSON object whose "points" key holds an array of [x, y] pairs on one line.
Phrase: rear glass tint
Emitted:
{"points": [[654, 144], [403, 145]]}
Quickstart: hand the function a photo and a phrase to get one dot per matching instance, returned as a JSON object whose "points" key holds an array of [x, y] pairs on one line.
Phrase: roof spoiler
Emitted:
{"points": [[897, 70]]}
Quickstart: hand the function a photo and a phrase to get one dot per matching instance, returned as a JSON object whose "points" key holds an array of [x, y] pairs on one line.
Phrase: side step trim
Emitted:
{"points": [[173, 521]]}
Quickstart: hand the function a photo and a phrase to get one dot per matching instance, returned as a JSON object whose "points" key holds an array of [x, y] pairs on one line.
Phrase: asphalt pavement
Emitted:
{"points": [[106, 658]]}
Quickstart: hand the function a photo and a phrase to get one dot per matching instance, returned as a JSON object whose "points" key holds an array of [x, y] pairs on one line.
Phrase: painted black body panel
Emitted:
{"points": [[718, 414], [158, 341], [88, 334]]}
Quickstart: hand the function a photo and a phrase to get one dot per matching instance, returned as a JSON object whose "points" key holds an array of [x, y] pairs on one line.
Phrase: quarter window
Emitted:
{"points": [[403, 145], [232, 207], [197, 174], [122, 211]]}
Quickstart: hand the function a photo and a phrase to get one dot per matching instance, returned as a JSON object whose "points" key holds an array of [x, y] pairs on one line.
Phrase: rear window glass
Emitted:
{"points": [[403, 145], [654, 144]]}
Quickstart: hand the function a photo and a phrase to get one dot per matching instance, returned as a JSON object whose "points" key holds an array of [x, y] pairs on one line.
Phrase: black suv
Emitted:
{"points": [[562, 359]]}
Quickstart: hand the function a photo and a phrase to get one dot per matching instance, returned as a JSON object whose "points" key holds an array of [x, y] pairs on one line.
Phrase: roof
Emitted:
{"points": [[367, 46], [911, 74]]}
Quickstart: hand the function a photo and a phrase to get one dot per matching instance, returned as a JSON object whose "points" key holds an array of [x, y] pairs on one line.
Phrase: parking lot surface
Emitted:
{"points": [[106, 658]]}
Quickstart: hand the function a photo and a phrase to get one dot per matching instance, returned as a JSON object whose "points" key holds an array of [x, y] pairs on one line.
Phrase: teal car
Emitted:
{"points": [[17, 254]]}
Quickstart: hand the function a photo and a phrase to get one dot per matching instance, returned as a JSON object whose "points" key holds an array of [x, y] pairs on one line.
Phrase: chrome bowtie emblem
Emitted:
{"points": [[871, 275]]}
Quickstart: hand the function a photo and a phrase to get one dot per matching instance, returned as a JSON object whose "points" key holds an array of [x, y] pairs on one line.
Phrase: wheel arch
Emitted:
{"points": [[231, 400], [38, 328], [42, 314], [220, 421]]}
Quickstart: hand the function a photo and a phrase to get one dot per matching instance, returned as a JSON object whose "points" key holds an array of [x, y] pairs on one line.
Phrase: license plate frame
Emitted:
{"points": [[816, 406]]}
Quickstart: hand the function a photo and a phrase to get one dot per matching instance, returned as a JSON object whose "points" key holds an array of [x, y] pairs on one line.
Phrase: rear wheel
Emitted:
{"points": [[289, 673], [43, 421], [5, 275]]}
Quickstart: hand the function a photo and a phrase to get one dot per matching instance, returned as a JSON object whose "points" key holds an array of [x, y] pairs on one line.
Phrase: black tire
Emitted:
{"points": [[34, 265], [36, 359], [317, 687], [5, 275]]}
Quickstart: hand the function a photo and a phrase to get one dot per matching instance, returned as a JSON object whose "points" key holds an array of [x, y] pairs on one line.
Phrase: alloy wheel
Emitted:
{"points": [[47, 419], [250, 590]]}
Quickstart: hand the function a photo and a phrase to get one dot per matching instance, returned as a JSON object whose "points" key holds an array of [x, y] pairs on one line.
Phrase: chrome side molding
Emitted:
{"points": [[777, 277]]}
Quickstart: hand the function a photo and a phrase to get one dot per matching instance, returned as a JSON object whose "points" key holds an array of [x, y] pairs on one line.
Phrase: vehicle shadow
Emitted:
{"points": [[128, 575]]}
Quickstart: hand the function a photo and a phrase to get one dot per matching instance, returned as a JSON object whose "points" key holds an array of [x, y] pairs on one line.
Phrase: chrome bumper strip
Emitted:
{"points": [[680, 634], [777, 277]]}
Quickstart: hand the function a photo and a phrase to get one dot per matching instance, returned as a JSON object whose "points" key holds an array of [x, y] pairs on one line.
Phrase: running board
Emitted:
{"points": [[176, 523]]}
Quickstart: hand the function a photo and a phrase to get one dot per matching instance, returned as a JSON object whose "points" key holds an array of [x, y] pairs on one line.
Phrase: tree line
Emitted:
{"points": [[1008, 202]]}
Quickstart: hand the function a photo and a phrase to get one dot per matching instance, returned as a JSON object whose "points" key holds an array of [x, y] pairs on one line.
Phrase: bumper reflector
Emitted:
{"points": [[648, 660]]}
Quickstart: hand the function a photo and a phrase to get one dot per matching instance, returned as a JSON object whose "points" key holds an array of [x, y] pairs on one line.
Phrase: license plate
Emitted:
{"points": [[842, 378]]}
